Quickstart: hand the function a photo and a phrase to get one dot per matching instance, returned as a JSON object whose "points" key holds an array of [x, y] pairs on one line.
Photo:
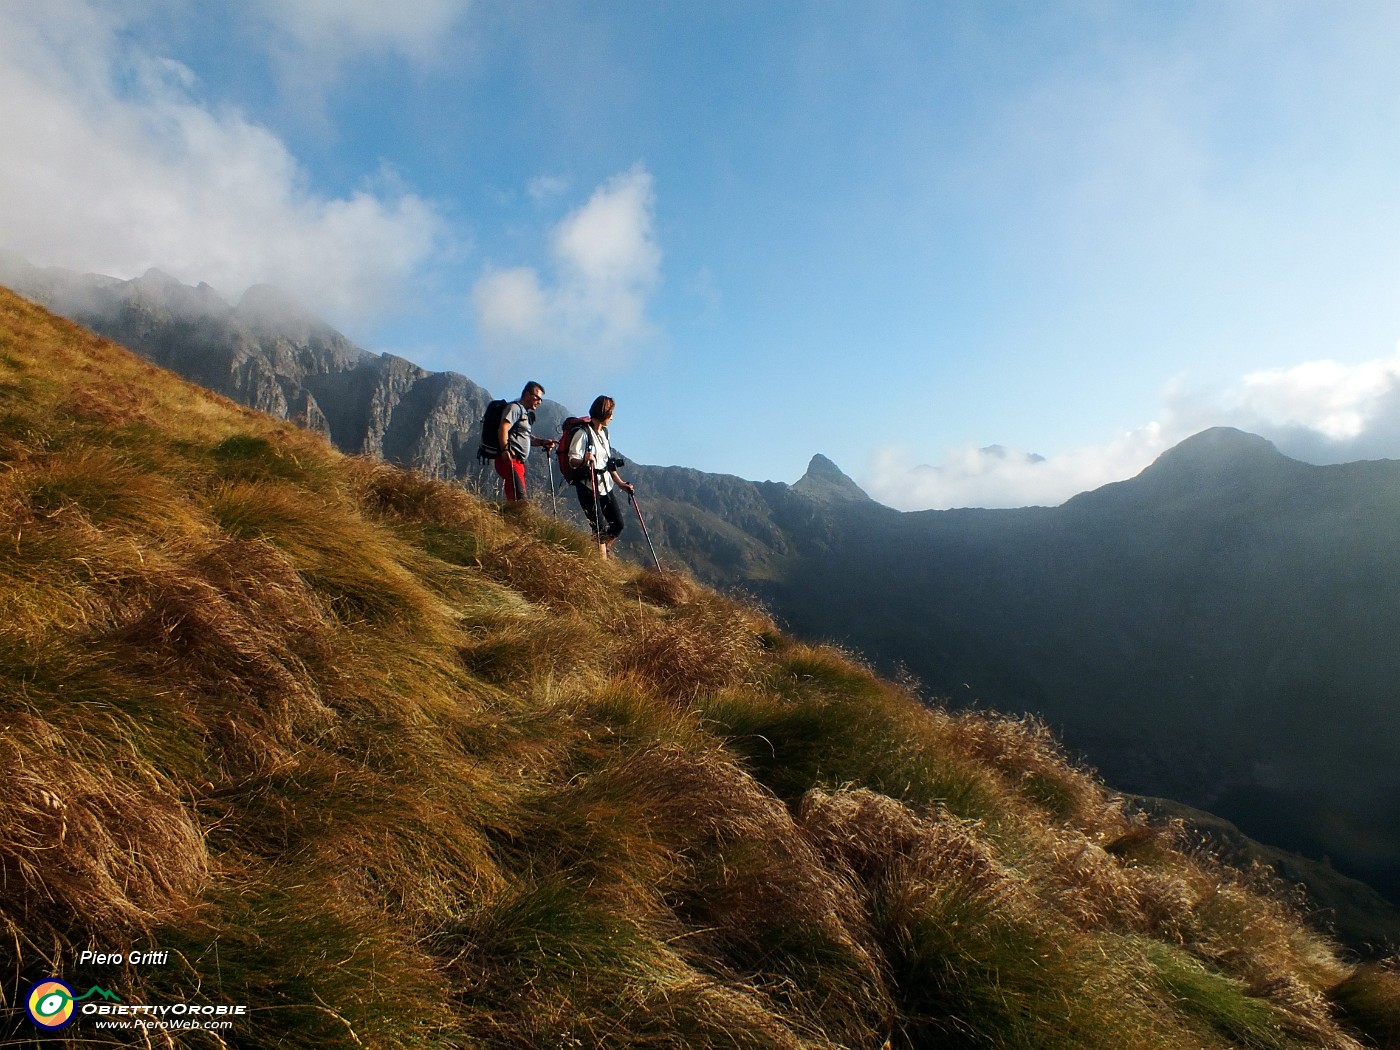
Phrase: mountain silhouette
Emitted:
{"points": [[824, 480], [1219, 463], [1218, 630]]}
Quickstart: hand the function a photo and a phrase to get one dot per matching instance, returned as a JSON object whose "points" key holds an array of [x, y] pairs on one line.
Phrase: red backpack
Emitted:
{"points": [[572, 475]]}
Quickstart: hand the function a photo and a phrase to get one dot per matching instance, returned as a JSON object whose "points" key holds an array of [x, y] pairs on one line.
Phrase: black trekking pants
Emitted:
{"points": [[611, 515]]}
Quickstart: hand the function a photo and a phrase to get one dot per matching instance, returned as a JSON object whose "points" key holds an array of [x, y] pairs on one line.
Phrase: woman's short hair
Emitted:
{"points": [[602, 408]]}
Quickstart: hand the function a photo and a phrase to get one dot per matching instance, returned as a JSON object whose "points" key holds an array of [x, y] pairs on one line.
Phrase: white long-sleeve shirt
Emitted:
{"points": [[589, 447]]}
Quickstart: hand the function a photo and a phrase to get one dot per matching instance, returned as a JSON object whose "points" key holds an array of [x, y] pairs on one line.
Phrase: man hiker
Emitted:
{"points": [[595, 470], [515, 440]]}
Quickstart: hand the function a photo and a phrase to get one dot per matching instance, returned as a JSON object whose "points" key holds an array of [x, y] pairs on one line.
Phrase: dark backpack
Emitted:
{"points": [[572, 475], [491, 430]]}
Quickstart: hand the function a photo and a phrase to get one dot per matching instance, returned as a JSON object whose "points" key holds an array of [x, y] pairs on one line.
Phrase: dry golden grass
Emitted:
{"points": [[667, 589], [515, 651], [413, 497], [128, 848], [698, 647], [1369, 997], [400, 768], [1028, 756]]}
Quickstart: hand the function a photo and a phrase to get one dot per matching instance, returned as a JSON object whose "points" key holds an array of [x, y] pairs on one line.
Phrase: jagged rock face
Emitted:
{"points": [[267, 353], [307, 413], [435, 424], [257, 386]]}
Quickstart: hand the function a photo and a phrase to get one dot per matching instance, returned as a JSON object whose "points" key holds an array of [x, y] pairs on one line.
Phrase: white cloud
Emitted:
{"points": [[606, 265], [545, 188], [341, 27], [112, 165], [312, 42], [1337, 401], [512, 305], [1320, 412], [997, 477]]}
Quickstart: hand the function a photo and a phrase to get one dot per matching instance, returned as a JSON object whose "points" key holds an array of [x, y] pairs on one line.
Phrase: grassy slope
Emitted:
{"points": [[398, 769]]}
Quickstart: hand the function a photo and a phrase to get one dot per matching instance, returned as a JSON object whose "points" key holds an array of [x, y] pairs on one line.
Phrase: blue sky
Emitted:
{"points": [[984, 254]]}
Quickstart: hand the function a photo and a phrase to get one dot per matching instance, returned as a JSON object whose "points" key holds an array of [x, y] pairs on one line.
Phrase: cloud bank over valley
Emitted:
{"points": [[1319, 412]]}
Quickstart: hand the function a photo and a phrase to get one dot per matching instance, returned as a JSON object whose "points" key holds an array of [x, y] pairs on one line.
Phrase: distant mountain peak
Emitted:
{"points": [[1219, 450], [1225, 439], [158, 288], [1002, 452], [824, 480], [159, 278], [1201, 466]]}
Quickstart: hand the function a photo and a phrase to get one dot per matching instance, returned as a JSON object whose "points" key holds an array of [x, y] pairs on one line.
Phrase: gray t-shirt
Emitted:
{"points": [[517, 417]]}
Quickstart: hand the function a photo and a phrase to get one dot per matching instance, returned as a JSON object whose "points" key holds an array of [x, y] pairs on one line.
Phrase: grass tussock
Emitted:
{"points": [[698, 647], [397, 767], [1369, 998], [666, 589], [131, 849]]}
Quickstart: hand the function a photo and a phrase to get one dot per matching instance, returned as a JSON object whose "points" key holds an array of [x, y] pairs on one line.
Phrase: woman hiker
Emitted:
{"points": [[590, 454]]}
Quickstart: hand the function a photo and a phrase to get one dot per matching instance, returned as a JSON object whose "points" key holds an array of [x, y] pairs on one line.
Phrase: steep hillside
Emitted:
{"points": [[1217, 630], [388, 766]]}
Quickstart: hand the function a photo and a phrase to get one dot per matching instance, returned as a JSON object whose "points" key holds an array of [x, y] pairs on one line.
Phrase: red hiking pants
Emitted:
{"points": [[512, 472]]}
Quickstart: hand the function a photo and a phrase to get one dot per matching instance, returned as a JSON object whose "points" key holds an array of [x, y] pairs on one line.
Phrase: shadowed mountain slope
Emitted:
{"points": [[394, 767], [1219, 629], [1216, 630]]}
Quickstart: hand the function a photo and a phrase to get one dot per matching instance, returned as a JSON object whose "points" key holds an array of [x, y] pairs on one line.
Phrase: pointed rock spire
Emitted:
{"points": [[824, 480]]}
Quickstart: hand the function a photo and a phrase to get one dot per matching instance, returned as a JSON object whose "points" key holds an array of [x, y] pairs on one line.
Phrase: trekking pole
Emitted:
{"points": [[479, 478], [553, 496], [597, 509], [642, 521]]}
